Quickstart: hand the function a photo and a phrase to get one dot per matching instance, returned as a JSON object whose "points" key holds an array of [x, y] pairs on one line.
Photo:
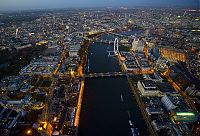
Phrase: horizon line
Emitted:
{"points": [[103, 7]]}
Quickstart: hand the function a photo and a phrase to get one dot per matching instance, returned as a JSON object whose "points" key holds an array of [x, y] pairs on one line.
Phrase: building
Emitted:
{"points": [[166, 88], [154, 77], [142, 62], [9, 119], [167, 103], [184, 117], [152, 110], [137, 45], [193, 91], [148, 88], [73, 51], [129, 61], [173, 54]]}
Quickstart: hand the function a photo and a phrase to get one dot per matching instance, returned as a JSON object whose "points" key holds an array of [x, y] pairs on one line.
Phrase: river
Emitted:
{"points": [[104, 112]]}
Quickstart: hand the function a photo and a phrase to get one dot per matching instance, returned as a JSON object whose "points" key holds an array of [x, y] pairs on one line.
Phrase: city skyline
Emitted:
{"points": [[99, 68], [52, 4]]}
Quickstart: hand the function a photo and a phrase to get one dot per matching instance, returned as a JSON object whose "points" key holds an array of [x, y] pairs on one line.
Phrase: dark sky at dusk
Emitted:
{"points": [[47, 4]]}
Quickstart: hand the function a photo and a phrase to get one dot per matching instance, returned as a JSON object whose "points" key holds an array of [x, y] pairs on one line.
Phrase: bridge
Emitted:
{"points": [[116, 34], [108, 41], [105, 41], [120, 35], [111, 42], [108, 74]]}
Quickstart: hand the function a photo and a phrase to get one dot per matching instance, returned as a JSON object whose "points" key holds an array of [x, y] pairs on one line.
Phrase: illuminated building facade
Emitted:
{"points": [[148, 88], [173, 54], [187, 117]]}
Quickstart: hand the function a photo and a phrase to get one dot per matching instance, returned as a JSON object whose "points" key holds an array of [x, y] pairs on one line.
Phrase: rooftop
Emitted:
{"points": [[149, 85]]}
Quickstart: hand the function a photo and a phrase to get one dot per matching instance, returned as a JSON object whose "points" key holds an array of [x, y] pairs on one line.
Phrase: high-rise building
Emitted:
{"points": [[16, 32]]}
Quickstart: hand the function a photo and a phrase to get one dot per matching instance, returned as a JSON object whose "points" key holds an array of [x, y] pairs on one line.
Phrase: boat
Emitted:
{"points": [[134, 129], [122, 98], [131, 124]]}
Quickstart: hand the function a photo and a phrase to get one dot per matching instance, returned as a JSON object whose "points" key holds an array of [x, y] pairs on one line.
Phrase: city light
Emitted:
{"points": [[57, 65], [45, 125], [55, 119], [185, 114], [29, 132], [78, 109], [40, 128], [72, 73]]}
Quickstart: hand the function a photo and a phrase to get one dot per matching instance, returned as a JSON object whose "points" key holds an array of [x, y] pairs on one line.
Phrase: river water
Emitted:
{"points": [[103, 111]]}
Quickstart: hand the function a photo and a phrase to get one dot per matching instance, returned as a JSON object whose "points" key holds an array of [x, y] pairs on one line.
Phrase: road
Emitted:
{"points": [[62, 58], [46, 111], [78, 108]]}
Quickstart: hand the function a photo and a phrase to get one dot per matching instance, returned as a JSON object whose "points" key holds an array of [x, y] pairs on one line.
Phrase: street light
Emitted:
{"points": [[29, 132]]}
